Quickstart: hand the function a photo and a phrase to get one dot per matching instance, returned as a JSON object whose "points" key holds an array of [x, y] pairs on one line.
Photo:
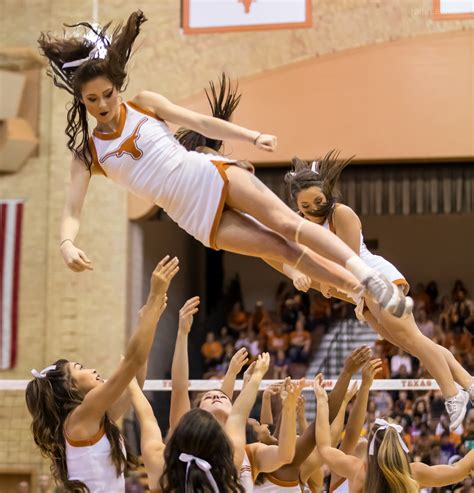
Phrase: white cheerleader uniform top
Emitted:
{"points": [[377, 262], [89, 461], [143, 156], [246, 472]]}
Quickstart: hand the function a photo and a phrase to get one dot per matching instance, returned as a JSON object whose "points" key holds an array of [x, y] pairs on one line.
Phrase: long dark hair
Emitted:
{"points": [[388, 469], [198, 433], [223, 103], [49, 401], [75, 46], [325, 175]]}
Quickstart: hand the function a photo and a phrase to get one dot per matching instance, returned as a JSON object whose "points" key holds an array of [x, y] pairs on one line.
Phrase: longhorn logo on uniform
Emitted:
{"points": [[128, 146]]}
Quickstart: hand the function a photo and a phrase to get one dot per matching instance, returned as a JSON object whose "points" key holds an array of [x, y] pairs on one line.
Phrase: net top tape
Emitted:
{"points": [[204, 385]]}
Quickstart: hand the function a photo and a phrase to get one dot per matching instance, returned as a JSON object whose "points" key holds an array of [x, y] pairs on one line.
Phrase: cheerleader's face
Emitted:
{"points": [[85, 379], [216, 402], [309, 200], [101, 99]]}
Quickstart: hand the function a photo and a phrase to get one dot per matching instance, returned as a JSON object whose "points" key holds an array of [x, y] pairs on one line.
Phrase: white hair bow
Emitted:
{"points": [[315, 167], [43, 372], [101, 45], [383, 425], [203, 465]]}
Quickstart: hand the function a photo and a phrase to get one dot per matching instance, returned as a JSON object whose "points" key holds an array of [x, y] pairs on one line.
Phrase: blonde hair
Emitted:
{"points": [[388, 468]]}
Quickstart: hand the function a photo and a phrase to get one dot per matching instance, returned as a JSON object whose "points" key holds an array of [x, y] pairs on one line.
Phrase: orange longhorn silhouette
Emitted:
{"points": [[128, 146], [247, 4]]}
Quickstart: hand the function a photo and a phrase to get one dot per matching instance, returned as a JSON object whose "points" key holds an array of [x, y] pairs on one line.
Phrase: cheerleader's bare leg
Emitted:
{"points": [[241, 234], [248, 194], [406, 335]]}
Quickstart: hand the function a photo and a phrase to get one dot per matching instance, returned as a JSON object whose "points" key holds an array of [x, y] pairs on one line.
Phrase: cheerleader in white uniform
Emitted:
{"points": [[75, 411], [132, 145], [313, 188]]}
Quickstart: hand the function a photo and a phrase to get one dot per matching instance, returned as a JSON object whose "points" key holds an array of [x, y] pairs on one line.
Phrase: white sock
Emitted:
{"points": [[355, 265]]}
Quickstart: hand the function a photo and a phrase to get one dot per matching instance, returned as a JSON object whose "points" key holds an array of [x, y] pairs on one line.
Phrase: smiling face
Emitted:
{"points": [[311, 199], [216, 403], [101, 100], [85, 379], [262, 433]]}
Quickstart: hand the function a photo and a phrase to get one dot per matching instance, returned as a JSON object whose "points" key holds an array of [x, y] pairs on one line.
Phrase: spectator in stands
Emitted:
{"points": [[425, 325], [421, 410], [403, 404], [280, 365], [211, 350], [224, 336], [448, 449], [300, 343], [259, 314], [23, 487], [319, 312], [444, 318], [420, 297], [462, 313], [237, 320], [399, 360], [278, 340], [250, 342], [433, 293]]}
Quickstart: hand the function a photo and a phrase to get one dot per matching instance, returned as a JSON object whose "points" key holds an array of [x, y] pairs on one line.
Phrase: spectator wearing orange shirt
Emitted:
{"points": [[211, 350], [300, 343], [277, 340]]}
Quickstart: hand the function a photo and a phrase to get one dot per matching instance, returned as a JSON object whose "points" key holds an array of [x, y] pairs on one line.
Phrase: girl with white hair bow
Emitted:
{"points": [[220, 204], [386, 468]]}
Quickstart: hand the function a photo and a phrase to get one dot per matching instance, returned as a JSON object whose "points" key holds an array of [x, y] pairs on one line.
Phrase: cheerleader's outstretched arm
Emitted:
{"points": [[443, 475], [211, 127], [340, 463], [180, 403], [74, 258], [151, 440]]}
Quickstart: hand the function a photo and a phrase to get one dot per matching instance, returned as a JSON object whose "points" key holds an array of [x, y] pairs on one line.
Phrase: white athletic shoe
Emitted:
{"points": [[387, 295], [456, 407]]}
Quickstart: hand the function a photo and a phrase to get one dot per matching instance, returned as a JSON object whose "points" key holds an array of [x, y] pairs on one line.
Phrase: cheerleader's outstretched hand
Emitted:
{"points": [[266, 142], [74, 257]]}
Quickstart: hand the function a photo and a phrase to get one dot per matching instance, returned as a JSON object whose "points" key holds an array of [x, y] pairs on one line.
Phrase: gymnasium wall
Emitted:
{"points": [[84, 317]]}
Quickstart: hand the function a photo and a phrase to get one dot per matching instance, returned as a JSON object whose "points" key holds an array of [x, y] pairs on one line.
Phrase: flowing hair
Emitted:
{"points": [[223, 103], [199, 434], [77, 45], [324, 174], [388, 469], [50, 400]]}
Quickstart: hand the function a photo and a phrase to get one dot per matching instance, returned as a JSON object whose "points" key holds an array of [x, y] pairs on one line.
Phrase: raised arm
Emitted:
{"points": [[352, 365], [151, 440], [338, 424], [236, 364], [359, 410], [211, 127], [301, 414], [269, 458], [74, 258], [342, 464], [437, 476], [99, 399], [180, 403], [237, 420], [266, 415]]}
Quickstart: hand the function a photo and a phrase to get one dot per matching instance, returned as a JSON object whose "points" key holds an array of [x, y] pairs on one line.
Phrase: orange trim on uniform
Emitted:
{"points": [[86, 442], [118, 131], [139, 108], [336, 485], [249, 452], [402, 282], [95, 158], [221, 167], [281, 482]]}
